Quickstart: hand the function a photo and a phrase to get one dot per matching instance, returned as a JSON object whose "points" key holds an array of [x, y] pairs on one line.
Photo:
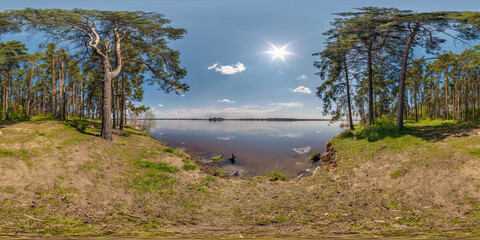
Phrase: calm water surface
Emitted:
{"points": [[259, 146]]}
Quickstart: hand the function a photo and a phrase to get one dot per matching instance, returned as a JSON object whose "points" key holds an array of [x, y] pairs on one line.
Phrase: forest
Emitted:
{"points": [[93, 64], [385, 62]]}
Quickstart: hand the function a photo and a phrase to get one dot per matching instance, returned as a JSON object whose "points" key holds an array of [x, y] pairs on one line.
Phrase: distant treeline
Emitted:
{"points": [[245, 119]]}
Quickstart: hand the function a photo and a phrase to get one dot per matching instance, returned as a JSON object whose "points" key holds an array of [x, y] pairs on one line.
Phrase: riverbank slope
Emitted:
{"points": [[60, 178]]}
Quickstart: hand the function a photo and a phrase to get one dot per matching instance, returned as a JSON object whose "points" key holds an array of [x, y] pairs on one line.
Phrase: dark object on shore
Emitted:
{"points": [[327, 158], [232, 158], [236, 174]]}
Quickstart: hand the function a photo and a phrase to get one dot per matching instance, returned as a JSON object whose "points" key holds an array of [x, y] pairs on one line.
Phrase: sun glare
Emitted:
{"points": [[278, 52]]}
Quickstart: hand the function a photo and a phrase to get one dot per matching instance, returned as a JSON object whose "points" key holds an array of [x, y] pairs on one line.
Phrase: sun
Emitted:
{"points": [[278, 52]]}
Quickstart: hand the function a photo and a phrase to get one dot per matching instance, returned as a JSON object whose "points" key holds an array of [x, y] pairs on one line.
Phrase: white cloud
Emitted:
{"points": [[302, 89], [301, 77], [213, 66], [318, 108], [302, 150], [291, 104], [228, 69], [225, 101], [225, 138], [160, 105]]}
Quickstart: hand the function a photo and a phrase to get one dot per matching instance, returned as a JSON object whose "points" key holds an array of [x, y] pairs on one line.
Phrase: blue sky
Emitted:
{"points": [[224, 51]]}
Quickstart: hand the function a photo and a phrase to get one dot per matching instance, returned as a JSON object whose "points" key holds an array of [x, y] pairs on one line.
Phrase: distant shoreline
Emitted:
{"points": [[245, 119]]}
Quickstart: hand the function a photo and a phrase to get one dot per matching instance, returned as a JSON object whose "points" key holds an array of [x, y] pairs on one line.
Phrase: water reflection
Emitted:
{"points": [[259, 146]]}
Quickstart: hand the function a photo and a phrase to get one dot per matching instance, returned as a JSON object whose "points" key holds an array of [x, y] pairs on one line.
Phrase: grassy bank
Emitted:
{"points": [[61, 179]]}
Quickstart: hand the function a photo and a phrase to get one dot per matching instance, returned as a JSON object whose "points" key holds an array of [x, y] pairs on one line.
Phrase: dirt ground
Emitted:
{"points": [[60, 179]]}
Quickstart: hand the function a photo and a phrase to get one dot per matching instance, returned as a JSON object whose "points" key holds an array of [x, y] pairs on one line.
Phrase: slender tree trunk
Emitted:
{"points": [[350, 118], [446, 95], [122, 107], [454, 99], [29, 95], [371, 118], [54, 89], [415, 102], [466, 99], [7, 97], [403, 75], [114, 107]]}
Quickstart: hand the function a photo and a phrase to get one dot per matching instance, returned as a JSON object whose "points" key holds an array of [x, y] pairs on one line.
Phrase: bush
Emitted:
{"points": [[189, 166], [383, 127], [276, 175]]}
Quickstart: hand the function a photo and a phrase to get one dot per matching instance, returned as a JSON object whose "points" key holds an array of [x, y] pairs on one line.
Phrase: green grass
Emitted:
{"points": [[474, 152], [189, 166], [152, 181], [217, 158], [174, 152], [6, 153], [397, 173], [160, 166], [276, 175]]}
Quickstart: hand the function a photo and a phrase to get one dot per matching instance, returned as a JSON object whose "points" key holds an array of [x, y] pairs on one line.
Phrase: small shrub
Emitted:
{"points": [[217, 158], [383, 127], [168, 150], [218, 172], [397, 174], [347, 134], [312, 156], [189, 166], [276, 175]]}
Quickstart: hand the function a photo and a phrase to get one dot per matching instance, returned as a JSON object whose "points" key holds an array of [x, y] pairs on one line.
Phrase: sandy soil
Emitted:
{"points": [[59, 180]]}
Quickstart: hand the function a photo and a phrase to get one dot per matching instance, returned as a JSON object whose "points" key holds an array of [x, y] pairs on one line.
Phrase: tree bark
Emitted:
{"points": [[54, 89], [403, 76], [350, 118], [446, 94], [371, 117], [114, 108]]}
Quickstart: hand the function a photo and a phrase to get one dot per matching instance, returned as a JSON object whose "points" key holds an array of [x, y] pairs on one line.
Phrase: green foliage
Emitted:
{"points": [[218, 158], [218, 172], [189, 166], [276, 175], [312, 155], [382, 128]]}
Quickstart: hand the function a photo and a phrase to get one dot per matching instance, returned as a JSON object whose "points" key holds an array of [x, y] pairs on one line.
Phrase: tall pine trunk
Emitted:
{"points": [[403, 76], [350, 118]]}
